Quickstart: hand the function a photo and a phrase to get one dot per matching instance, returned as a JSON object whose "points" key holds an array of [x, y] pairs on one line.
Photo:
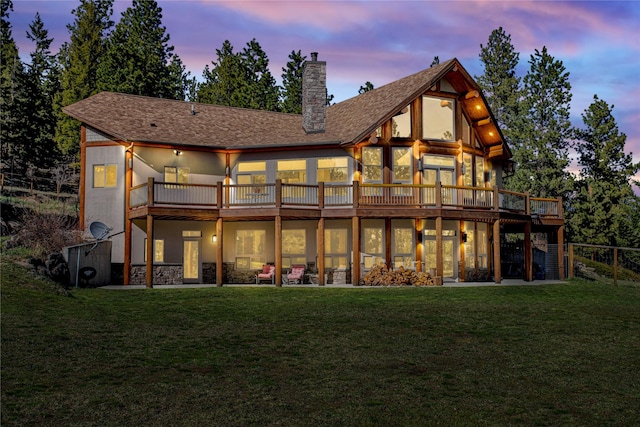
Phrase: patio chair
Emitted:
{"points": [[296, 274], [268, 273]]}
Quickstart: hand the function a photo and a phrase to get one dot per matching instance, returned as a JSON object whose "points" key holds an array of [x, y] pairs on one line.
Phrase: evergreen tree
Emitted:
{"points": [[259, 90], [42, 84], [181, 85], [223, 82], [499, 83], [366, 88], [292, 83], [13, 97], [601, 207], [541, 141], [137, 59], [79, 59]]}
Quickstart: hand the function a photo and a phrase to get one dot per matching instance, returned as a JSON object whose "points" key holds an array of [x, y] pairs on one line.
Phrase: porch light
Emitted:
{"points": [[214, 238], [177, 152]]}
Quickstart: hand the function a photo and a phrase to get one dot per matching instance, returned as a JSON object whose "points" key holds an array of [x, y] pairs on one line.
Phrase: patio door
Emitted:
{"points": [[191, 263], [445, 175]]}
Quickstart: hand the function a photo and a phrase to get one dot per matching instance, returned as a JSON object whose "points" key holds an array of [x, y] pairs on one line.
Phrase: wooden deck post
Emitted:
{"points": [[278, 238], [355, 248], [321, 251], [149, 249], [126, 278], [419, 244], [528, 252], [219, 251], [497, 267], [439, 256]]}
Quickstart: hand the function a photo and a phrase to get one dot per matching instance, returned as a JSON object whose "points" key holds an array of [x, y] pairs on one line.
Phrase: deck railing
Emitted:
{"points": [[324, 195]]}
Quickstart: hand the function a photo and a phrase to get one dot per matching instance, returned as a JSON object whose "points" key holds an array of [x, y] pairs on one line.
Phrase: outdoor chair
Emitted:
{"points": [[268, 274], [296, 274]]}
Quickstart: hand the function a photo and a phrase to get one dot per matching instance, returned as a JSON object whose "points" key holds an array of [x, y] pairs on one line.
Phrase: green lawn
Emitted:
{"points": [[533, 355]]}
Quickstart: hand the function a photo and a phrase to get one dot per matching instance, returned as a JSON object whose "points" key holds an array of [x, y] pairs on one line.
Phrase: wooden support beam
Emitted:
{"points": [[528, 252], [561, 251], [321, 251], [278, 238], [219, 252], [355, 248], [497, 268], [149, 249]]}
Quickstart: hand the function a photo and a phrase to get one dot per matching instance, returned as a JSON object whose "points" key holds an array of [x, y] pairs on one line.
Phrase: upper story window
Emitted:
{"points": [[252, 173], [333, 169], [402, 165], [467, 169], [175, 174], [104, 176], [480, 176], [401, 123], [438, 118], [466, 131], [372, 165], [292, 171]]}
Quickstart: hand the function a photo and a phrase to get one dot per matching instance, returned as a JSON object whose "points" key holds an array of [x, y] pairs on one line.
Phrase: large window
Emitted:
{"points": [[252, 173], [104, 176], [158, 250], [467, 169], [402, 165], [250, 249], [401, 123], [372, 165], [336, 245], [179, 175], [469, 245], [294, 246], [373, 245], [292, 171], [438, 118], [403, 247], [333, 169], [480, 178]]}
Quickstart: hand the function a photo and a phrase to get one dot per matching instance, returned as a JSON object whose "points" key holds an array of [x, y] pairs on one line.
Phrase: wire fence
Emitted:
{"points": [[614, 265]]}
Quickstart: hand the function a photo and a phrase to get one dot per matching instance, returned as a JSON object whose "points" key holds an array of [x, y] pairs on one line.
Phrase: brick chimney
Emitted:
{"points": [[314, 95]]}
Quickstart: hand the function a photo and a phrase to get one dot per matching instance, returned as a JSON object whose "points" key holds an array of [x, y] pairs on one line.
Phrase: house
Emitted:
{"points": [[408, 174]]}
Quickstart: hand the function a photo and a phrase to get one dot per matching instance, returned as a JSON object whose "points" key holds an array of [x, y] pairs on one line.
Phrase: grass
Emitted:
{"points": [[532, 355]]}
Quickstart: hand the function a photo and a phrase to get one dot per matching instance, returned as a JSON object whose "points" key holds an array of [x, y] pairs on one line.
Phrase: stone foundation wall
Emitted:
{"points": [[162, 275]]}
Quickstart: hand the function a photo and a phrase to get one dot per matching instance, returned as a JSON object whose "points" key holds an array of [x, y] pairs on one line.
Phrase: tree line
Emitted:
{"points": [[135, 56]]}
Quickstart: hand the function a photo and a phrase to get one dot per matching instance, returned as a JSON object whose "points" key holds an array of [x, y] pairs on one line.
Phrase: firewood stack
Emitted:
{"points": [[380, 275]]}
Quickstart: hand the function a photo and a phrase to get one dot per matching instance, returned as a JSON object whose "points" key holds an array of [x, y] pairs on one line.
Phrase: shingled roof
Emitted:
{"points": [[133, 118]]}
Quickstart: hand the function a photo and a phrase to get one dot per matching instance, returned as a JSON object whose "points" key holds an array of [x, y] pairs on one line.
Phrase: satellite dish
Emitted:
{"points": [[99, 230]]}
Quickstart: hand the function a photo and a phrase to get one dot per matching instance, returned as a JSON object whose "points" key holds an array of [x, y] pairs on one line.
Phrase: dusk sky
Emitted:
{"points": [[382, 41]]}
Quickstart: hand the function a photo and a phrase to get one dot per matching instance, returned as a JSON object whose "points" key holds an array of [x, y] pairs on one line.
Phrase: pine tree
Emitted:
{"points": [[79, 59], [604, 198], [499, 83], [259, 90], [137, 59], [13, 97], [181, 85], [42, 84], [542, 134], [292, 83], [223, 82]]}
